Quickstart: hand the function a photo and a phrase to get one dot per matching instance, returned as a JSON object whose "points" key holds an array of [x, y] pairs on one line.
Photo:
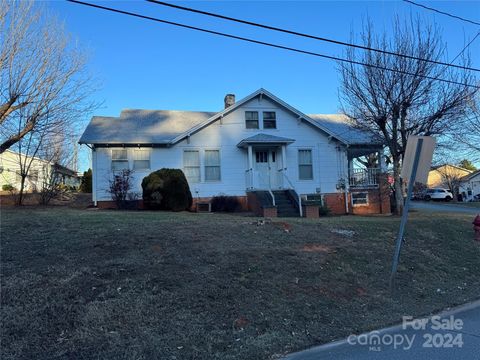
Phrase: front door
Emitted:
{"points": [[266, 169]]}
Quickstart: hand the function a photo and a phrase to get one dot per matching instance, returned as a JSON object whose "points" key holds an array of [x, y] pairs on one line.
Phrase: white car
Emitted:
{"points": [[438, 194]]}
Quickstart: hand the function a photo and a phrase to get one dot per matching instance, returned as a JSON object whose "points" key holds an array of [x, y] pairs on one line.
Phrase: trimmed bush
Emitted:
{"points": [[166, 189], [8, 187], [225, 203]]}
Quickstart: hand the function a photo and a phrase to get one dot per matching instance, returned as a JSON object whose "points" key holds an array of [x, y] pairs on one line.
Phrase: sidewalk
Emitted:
{"points": [[395, 343]]}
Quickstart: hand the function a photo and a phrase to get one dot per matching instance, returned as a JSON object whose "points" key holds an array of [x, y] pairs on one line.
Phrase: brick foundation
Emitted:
{"points": [[269, 212], [255, 206], [378, 202], [310, 211], [110, 204], [336, 203], [241, 199]]}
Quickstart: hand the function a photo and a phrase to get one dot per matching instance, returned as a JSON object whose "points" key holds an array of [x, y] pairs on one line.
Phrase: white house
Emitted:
{"points": [[259, 147], [39, 172], [470, 186]]}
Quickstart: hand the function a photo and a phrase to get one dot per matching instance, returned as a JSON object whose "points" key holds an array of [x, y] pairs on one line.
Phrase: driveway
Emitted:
{"points": [[438, 206], [417, 340]]}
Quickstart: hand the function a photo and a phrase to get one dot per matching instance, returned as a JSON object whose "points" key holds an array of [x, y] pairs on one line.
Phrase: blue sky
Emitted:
{"points": [[142, 64]]}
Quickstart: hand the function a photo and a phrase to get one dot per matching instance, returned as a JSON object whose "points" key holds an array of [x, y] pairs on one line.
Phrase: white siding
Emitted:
{"points": [[329, 161]]}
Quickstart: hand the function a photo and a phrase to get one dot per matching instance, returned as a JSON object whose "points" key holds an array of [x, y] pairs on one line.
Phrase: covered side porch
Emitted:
{"points": [[365, 165]]}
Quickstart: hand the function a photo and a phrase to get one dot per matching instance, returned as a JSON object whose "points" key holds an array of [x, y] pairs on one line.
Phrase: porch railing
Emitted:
{"points": [[299, 198], [364, 177], [254, 178]]}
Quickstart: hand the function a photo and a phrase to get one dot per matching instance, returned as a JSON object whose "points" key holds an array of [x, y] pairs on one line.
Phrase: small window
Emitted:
{"points": [[360, 198], [33, 175], [251, 119], [269, 120], [119, 159], [305, 167], [261, 156], [212, 165], [141, 160], [191, 165]]}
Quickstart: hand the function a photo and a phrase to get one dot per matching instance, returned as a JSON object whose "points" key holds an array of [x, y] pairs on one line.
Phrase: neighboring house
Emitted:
{"points": [[39, 172], [470, 186], [259, 149], [446, 176]]}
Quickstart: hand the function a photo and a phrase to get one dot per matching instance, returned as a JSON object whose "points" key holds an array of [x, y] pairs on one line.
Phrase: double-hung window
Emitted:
{"points": [[191, 165], [269, 120], [141, 159], [212, 165], [119, 159], [251, 119], [305, 165]]}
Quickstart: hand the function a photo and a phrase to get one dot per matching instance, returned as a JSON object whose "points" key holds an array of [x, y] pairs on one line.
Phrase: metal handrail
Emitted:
{"points": [[293, 188]]}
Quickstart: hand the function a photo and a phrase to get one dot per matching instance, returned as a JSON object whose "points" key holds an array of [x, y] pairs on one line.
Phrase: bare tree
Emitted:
{"points": [[396, 104], [43, 78], [451, 176], [470, 139], [40, 152]]}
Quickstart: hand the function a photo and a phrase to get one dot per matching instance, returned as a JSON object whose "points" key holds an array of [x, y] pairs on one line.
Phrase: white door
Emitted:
{"points": [[266, 169]]}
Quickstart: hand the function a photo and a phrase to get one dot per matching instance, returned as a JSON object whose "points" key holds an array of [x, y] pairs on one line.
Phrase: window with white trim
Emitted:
{"points": [[119, 159], [269, 120], [251, 119], [305, 165], [261, 156], [212, 165], [359, 198], [141, 159], [191, 165]]}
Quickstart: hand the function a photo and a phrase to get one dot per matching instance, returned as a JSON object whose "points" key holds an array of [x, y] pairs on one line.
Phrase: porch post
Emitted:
{"points": [[250, 158], [284, 157]]}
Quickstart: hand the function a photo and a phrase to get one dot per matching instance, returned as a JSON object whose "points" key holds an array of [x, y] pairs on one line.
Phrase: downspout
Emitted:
{"points": [[347, 182], [94, 176]]}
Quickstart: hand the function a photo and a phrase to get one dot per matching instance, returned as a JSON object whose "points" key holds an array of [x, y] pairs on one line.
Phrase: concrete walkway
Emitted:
{"points": [[442, 207], [460, 341]]}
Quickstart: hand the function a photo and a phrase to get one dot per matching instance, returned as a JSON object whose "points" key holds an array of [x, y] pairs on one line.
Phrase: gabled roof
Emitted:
{"points": [[452, 166], [169, 127], [345, 129], [265, 139], [136, 126], [470, 176]]}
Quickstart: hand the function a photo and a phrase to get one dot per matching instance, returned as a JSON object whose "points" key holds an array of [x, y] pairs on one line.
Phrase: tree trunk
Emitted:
{"points": [[397, 183], [20, 191]]}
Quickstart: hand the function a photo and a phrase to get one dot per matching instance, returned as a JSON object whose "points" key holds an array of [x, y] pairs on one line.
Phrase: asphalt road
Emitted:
{"points": [[457, 338], [442, 207]]}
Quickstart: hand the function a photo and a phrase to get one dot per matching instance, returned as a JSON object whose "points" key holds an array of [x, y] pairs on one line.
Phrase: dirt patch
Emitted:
{"points": [[318, 248]]}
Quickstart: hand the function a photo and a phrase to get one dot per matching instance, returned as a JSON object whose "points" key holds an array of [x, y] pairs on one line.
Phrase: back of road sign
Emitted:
{"points": [[425, 160]]}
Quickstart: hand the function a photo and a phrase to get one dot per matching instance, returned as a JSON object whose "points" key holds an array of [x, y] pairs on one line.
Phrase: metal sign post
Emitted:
{"points": [[403, 222]]}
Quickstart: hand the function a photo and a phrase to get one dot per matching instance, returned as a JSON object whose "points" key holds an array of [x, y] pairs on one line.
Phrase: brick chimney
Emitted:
{"points": [[229, 100]]}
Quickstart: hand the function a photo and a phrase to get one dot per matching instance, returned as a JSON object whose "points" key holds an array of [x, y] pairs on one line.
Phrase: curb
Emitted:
{"points": [[336, 343]]}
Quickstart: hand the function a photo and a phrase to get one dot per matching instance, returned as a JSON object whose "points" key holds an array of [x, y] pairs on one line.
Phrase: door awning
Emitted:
{"points": [[264, 139]]}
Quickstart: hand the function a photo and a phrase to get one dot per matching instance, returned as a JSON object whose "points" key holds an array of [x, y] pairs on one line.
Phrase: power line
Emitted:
{"points": [[442, 12], [266, 43], [291, 32], [466, 46]]}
